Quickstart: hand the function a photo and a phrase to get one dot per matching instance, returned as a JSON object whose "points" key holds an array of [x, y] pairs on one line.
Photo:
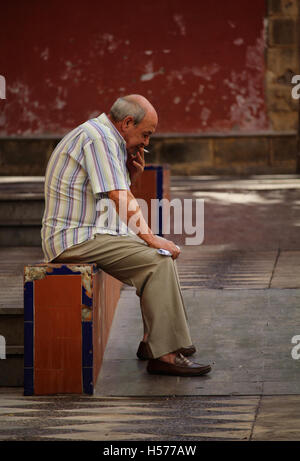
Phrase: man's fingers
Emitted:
{"points": [[140, 156], [141, 151], [176, 252], [175, 255], [138, 165]]}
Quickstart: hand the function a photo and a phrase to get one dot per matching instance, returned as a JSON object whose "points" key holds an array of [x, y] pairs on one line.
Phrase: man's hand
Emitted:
{"points": [[122, 198], [154, 241], [135, 164]]}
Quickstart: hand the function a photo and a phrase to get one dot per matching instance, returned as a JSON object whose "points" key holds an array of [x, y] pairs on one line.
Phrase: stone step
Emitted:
{"points": [[12, 370], [12, 328], [12, 262], [22, 203], [229, 183], [21, 210]]}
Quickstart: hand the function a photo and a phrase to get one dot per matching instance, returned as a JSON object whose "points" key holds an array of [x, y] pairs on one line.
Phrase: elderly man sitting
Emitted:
{"points": [[97, 161]]}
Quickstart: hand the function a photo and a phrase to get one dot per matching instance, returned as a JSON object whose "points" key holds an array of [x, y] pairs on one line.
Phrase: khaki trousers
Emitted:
{"points": [[156, 281]]}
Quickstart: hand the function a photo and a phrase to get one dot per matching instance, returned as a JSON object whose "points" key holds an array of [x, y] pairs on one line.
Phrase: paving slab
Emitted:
{"points": [[181, 418], [257, 220], [218, 267], [278, 419], [287, 270], [129, 418], [245, 334]]}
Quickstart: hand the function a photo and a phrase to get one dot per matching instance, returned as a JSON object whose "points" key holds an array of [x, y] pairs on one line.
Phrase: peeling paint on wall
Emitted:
{"points": [[178, 18], [244, 89], [209, 68], [238, 41], [150, 75]]}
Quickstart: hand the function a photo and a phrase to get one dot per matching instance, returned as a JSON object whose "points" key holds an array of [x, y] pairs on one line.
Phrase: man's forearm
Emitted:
{"points": [[130, 212], [128, 208]]}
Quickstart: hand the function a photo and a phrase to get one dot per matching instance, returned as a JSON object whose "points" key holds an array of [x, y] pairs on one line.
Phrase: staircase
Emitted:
{"points": [[22, 207], [21, 210]]}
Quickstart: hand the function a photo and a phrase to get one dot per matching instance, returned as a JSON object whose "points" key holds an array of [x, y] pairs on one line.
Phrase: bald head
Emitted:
{"points": [[141, 101], [134, 105]]}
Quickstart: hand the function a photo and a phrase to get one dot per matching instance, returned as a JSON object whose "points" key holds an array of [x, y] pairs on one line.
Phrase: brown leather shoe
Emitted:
{"points": [[181, 367], [144, 352]]}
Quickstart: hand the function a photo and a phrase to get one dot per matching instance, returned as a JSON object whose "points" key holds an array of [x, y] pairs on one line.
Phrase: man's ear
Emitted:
{"points": [[127, 122]]}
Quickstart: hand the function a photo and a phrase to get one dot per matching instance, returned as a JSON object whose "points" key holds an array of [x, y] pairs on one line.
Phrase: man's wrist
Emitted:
{"points": [[148, 237]]}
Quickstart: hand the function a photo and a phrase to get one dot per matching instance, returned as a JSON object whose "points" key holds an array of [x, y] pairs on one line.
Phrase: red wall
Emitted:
{"points": [[201, 63]]}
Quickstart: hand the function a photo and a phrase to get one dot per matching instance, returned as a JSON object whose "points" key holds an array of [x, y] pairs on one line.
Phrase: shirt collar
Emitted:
{"points": [[105, 121]]}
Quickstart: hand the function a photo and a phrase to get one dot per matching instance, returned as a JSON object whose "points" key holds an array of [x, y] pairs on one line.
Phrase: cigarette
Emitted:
{"points": [[147, 152]]}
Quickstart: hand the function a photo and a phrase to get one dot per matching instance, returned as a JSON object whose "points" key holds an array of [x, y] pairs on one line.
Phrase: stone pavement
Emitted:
{"points": [[242, 292], [245, 335], [188, 418]]}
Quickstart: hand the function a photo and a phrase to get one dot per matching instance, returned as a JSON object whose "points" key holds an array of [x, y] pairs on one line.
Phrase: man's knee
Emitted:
{"points": [[165, 262]]}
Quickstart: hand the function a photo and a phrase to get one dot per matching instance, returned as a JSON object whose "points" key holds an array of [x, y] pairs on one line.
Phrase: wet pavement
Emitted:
{"points": [[245, 334], [242, 293], [184, 418]]}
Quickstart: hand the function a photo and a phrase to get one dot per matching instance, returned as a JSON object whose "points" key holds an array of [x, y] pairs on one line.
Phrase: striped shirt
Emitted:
{"points": [[86, 164]]}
